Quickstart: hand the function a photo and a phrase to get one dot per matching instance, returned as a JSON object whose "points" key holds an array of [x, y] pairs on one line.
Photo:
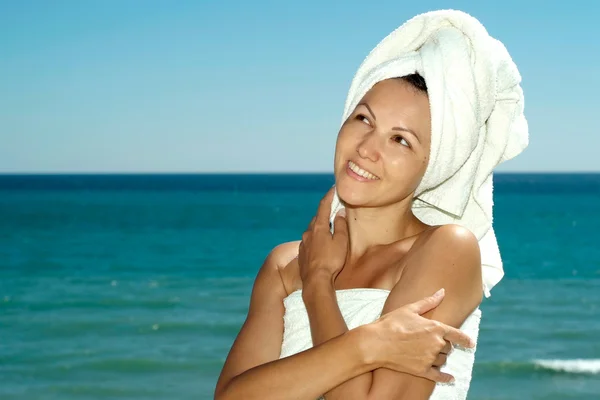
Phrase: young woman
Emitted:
{"points": [[378, 247], [389, 248]]}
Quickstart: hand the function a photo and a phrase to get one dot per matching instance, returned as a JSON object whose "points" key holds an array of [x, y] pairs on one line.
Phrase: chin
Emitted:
{"points": [[353, 193]]}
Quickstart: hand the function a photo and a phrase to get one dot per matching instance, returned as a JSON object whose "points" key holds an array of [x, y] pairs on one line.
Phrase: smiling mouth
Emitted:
{"points": [[361, 172]]}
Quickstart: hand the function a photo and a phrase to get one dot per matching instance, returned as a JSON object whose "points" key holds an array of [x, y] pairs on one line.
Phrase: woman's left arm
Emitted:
{"points": [[449, 259]]}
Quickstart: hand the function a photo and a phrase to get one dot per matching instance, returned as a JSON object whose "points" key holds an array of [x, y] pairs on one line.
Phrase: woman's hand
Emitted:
{"points": [[404, 341], [322, 255]]}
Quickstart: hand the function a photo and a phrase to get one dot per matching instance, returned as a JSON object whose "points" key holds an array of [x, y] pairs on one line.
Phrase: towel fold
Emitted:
{"points": [[477, 119]]}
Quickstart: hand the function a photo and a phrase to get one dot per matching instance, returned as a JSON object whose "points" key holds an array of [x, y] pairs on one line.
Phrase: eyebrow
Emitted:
{"points": [[368, 108], [396, 128]]}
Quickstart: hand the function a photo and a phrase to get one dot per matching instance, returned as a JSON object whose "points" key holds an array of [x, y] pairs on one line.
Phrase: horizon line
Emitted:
{"points": [[251, 173]]}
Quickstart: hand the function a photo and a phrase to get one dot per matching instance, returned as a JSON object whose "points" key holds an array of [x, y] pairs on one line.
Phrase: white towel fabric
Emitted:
{"points": [[477, 118], [361, 306]]}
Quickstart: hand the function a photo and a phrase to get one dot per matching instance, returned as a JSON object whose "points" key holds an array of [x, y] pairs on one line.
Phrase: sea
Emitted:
{"points": [[134, 286]]}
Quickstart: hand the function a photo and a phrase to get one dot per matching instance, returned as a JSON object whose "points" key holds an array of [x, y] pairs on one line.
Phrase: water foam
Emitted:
{"points": [[578, 366]]}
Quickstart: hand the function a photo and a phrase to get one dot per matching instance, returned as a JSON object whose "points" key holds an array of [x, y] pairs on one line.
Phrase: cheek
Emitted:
{"points": [[400, 163], [404, 170], [396, 162], [341, 152], [343, 144], [338, 147]]}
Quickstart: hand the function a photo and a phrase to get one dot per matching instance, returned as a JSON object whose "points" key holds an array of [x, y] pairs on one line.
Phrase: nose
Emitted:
{"points": [[368, 148]]}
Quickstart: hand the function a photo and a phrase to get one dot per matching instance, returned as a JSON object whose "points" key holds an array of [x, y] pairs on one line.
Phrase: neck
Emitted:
{"points": [[370, 227]]}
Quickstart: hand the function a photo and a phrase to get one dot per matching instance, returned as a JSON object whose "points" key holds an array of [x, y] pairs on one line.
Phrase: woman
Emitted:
{"points": [[386, 161]]}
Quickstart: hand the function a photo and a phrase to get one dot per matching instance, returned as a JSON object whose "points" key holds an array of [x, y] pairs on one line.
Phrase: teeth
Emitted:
{"points": [[359, 171]]}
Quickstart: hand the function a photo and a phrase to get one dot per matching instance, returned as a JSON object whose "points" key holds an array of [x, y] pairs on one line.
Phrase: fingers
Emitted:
{"points": [[447, 349], [440, 360], [434, 374], [324, 209], [428, 303], [458, 337]]}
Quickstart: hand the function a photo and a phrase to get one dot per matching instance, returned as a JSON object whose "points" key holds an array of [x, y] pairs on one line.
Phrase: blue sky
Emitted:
{"points": [[232, 86]]}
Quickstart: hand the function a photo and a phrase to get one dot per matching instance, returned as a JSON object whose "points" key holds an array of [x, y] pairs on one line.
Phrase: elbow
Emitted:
{"points": [[222, 392], [231, 390], [222, 395], [218, 395]]}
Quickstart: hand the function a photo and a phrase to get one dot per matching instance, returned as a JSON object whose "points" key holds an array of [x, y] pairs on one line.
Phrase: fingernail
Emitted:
{"points": [[342, 213], [451, 380], [439, 293]]}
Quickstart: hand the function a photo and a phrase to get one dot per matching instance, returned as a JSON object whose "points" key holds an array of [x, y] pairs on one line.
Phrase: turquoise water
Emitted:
{"points": [[134, 287]]}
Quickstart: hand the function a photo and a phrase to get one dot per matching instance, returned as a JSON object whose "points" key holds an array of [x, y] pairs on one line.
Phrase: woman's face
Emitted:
{"points": [[382, 149]]}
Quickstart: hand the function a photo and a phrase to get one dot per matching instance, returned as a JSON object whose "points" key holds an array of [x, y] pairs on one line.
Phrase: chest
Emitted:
{"points": [[378, 270]]}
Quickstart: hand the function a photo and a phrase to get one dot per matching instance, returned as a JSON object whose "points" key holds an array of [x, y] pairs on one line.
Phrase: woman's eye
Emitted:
{"points": [[364, 119], [401, 140]]}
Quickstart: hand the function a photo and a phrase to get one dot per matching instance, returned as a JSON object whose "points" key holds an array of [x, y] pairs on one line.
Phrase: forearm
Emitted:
{"points": [[327, 322], [303, 376], [324, 315]]}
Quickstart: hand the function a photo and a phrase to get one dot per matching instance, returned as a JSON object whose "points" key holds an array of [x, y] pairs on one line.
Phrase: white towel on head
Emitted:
{"points": [[477, 118]]}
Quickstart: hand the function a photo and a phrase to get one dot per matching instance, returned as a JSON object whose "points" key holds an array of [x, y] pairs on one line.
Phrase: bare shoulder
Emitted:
{"points": [[447, 257], [270, 279], [450, 246], [270, 285], [457, 235], [282, 254], [284, 259]]}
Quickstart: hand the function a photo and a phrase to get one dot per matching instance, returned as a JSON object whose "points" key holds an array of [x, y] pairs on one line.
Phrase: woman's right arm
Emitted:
{"points": [[253, 369]]}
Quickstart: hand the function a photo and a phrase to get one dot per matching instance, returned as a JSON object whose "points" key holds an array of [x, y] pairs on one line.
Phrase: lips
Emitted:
{"points": [[361, 172]]}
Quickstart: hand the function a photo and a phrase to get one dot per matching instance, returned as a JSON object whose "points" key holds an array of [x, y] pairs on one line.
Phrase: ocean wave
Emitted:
{"points": [[539, 366], [575, 366]]}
